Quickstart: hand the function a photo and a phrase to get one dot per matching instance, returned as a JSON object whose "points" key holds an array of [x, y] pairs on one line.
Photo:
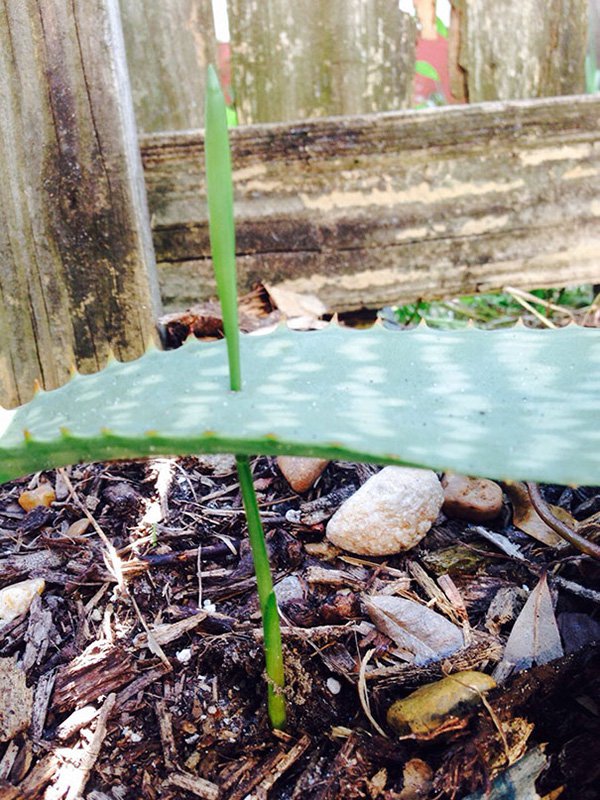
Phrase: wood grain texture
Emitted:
{"points": [[506, 51], [168, 45], [384, 209], [312, 58], [78, 277]]}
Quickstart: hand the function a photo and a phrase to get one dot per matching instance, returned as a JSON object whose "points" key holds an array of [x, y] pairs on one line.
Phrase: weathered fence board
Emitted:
{"points": [[77, 277], [314, 58], [506, 51], [168, 46], [384, 209]]}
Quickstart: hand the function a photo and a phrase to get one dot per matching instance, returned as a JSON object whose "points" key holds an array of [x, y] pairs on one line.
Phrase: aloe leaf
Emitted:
{"points": [[511, 404]]}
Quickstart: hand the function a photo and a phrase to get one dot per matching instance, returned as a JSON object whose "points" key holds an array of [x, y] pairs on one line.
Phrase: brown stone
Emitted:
{"points": [[301, 473], [471, 499]]}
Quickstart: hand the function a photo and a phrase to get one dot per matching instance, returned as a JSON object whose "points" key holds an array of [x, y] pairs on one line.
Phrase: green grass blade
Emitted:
{"points": [[266, 596], [274, 663], [219, 189], [255, 532]]}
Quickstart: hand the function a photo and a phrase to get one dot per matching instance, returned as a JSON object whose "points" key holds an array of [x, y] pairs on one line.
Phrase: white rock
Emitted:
{"points": [[184, 656], [334, 686], [18, 597], [390, 513]]}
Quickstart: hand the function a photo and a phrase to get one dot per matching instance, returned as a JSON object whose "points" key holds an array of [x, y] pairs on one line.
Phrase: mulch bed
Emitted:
{"points": [[144, 652]]}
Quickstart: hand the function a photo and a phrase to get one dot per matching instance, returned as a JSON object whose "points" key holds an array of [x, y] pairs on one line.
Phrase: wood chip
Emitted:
{"points": [[484, 648], [43, 692], [192, 783], [99, 670], [169, 632], [80, 776], [165, 728], [336, 577], [16, 700]]}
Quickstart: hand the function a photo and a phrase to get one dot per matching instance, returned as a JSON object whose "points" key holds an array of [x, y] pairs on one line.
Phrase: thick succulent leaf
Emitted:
{"points": [[514, 404]]}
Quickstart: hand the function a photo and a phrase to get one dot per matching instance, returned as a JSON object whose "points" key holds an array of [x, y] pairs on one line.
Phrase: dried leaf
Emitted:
{"points": [[421, 634], [535, 638], [526, 518], [293, 304]]}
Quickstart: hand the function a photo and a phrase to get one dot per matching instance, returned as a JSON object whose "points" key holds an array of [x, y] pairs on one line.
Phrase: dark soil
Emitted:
{"points": [[187, 718]]}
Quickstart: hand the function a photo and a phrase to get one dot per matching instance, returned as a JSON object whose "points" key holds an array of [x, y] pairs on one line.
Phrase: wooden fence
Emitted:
{"points": [[373, 210], [362, 210]]}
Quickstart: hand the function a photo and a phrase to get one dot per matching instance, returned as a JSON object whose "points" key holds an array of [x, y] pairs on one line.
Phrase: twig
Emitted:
{"points": [[192, 783], [539, 301], [363, 695], [544, 320], [165, 729], [542, 508], [114, 562]]}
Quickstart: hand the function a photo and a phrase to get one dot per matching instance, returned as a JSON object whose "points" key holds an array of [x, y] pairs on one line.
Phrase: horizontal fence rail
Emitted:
{"points": [[387, 208]]}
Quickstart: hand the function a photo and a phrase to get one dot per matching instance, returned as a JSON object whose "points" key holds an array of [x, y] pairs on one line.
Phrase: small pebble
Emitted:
{"points": [[18, 597], [43, 495], [78, 528], [427, 708], [471, 499], [334, 686], [301, 473], [184, 656], [390, 513], [289, 589]]}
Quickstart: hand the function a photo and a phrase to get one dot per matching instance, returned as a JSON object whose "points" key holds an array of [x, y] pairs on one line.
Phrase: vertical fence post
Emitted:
{"points": [[508, 51], [169, 44], [314, 58], [77, 272]]}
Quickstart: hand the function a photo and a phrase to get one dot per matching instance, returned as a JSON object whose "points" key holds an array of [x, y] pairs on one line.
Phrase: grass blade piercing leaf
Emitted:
{"points": [[219, 191], [222, 237]]}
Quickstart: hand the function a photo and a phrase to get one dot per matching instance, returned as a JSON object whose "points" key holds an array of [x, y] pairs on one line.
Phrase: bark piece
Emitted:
{"points": [[199, 787], [29, 564], [16, 700], [99, 670]]}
